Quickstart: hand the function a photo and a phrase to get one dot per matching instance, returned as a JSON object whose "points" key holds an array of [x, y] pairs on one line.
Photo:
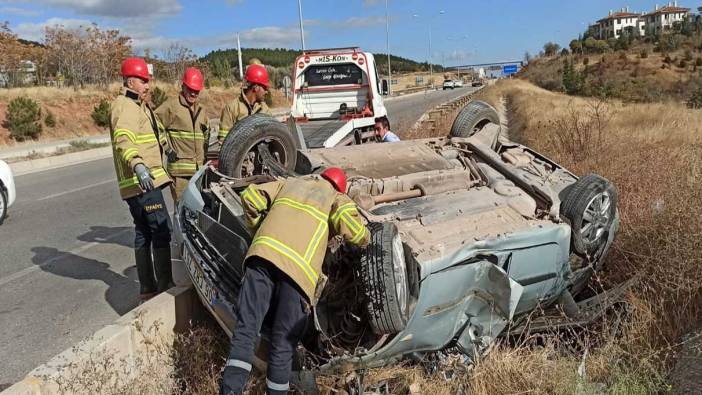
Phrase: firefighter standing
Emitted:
{"points": [[185, 124], [250, 101], [283, 266], [136, 148]]}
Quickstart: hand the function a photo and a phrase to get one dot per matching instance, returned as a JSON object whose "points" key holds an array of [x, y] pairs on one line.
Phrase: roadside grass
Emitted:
{"points": [[74, 146]]}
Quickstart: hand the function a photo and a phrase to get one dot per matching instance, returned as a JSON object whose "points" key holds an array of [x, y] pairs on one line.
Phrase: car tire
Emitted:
{"points": [[473, 117], [384, 280], [238, 156], [3, 204], [590, 206]]}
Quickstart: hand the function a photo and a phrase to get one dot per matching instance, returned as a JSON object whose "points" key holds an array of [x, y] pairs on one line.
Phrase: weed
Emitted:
{"points": [[49, 119], [101, 114]]}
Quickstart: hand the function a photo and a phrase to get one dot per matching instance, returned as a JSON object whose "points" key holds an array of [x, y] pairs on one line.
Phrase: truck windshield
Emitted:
{"points": [[337, 74]]}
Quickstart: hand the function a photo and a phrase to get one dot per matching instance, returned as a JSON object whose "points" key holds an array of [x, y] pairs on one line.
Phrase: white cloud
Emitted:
{"points": [[35, 31], [121, 8], [364, 21], [18, 11]]}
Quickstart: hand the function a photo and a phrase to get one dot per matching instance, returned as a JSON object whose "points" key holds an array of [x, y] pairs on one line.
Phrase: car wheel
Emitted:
{"points": [[239, 156], [473, 117], [384, 280], [590, 207]]}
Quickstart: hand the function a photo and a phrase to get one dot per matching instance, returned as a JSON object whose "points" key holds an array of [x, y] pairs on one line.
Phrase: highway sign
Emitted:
{"points": [[509, 69]]}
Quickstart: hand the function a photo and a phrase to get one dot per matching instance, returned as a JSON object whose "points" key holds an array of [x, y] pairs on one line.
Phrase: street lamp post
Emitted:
{"points": [[431, 67], [302, 29], [387, 46]]}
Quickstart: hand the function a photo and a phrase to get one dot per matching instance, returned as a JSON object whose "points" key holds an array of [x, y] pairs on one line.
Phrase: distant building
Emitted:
{"points": [[664, 18], [615, 23], [619, 22], [25, 74]]}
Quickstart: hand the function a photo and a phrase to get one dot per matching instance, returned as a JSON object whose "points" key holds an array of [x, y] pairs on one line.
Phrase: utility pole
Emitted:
{"points": [[387, 46], [238, 48], [431, 67], [302, 28]]}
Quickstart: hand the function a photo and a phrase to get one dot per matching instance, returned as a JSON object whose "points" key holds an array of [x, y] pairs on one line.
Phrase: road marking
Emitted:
{"points": [[76, 190], [75, 251]]}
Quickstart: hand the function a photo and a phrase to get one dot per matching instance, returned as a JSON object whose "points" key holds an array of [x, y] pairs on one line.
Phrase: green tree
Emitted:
{"points": [[550, 48], [573, 80], [101, 114], [576, 46]]}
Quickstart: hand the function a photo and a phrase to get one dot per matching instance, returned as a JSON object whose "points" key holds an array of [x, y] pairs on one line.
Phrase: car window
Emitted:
{"points": [[337, 74]]}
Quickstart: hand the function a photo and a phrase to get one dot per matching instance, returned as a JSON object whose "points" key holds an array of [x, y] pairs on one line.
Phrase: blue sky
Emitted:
{"points": [[469, 31]]}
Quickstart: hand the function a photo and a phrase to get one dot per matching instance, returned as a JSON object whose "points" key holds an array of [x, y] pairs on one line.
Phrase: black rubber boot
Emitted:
{"points": [[164, 272], [145, 271]]}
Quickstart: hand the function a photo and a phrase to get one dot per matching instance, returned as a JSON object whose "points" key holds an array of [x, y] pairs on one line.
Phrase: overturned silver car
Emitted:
{"points": [[469, 233]]}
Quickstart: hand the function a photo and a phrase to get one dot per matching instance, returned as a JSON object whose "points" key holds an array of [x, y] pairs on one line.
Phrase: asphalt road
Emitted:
{"points": [[66, 261]]}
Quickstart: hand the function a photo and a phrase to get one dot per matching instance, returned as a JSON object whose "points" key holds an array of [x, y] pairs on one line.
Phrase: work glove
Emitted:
{"points": [[171, 155], [146, 180]]}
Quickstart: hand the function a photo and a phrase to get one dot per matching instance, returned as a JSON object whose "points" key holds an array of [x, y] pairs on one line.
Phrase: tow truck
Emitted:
{"points": [[336, 98]]}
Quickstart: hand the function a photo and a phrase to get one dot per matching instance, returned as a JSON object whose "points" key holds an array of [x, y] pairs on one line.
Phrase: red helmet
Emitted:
{"points": [[192, 78], [135, 67], [257, 74], [336, 177]]}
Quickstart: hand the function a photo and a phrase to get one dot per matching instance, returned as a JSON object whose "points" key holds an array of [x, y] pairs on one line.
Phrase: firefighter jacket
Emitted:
{"points": [[237, 110], [186, 133], [295, 219], [134, 130]]}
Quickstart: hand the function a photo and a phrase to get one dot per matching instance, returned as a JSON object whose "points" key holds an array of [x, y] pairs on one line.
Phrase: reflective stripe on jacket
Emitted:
{"points": [[237, 110], [187, 134], [133, 133], [295, 220]]}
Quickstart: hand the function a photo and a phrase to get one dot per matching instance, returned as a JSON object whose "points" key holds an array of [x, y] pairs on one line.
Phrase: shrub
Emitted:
{"points": [[158, 96], [667, 59], [643, 54], [101, 114], [695, 99], [269, 99], [586, 61], [682, 64], [49, 119], [23, 118], [688, 55], [698, 62]]}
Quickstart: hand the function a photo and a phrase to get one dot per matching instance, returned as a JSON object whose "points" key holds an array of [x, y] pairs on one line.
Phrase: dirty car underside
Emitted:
{"points": [[468, 235]]}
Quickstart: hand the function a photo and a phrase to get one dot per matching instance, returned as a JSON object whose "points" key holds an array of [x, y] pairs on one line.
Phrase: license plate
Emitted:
{"points": [[198, 277]]}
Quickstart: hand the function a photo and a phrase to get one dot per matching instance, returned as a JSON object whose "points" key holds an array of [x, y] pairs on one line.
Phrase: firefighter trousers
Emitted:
{"points": [[152, 228], [265, 287]]}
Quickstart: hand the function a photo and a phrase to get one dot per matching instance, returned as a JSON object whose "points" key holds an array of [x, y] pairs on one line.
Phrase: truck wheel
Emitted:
{"points": [[384, 280], [3, 204], [590, 207], [473, 117], [239, 154]]}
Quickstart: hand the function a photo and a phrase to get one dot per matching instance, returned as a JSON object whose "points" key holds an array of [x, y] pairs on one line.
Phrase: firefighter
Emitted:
{"points": [[294, 219], [185, 124], [136, 147], [250, 101]]}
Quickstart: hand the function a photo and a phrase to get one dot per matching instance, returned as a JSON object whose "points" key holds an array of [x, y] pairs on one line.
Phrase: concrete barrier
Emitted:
{"points": [[169, 313], [55, 162]]}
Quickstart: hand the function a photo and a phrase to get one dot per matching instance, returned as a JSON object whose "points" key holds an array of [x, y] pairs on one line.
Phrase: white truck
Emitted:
{"points": [[336, 97]]}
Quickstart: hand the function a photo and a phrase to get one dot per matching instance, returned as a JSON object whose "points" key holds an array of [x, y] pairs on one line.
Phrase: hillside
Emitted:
{"points": [[281, 57], [648, 69]]}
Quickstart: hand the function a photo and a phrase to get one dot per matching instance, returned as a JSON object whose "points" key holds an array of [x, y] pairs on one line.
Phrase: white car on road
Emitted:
{"points": [[7, 189]]}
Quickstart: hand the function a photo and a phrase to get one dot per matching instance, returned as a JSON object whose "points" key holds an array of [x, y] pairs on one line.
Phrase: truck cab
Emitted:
{"points": [[336, 97]]}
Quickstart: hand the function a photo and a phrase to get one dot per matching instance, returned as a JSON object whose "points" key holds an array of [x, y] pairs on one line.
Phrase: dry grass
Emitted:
{"points": [[72, 108]]}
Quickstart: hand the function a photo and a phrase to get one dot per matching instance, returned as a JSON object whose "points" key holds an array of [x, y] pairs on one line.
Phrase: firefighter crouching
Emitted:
{"points": [[250, 101], [294, 219], [140, 175], [185, 124]]}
